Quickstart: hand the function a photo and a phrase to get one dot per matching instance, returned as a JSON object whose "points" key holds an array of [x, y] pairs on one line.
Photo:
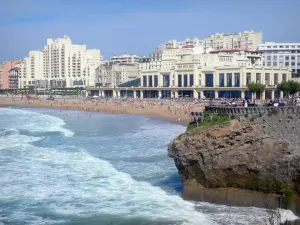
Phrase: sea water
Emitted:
{"points": [[69, 167]]}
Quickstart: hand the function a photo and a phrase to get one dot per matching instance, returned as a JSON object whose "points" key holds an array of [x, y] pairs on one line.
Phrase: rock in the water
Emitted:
{"points": [[262, 155]]}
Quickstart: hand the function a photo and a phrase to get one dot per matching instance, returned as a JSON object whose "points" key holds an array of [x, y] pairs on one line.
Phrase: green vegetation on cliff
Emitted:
{"points": [[210, 120]]}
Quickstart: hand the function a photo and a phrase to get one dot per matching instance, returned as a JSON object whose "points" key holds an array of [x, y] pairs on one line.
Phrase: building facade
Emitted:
{"points": [[113, 74], [173, 44], [69, 65], [7, 66], [282, 55], [13, 78], [31, 70], [246, 40], [125, 59], [198, 73]]}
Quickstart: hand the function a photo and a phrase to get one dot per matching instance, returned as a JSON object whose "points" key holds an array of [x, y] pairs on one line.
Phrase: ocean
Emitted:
{"points": [[73, 168]]}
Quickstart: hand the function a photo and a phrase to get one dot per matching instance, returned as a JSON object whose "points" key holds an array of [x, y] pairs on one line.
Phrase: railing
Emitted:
{"points": [[283, 110]]}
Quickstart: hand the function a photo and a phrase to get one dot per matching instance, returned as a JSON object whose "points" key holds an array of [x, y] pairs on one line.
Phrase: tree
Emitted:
{"points": [[290, 87], [256, 88]]}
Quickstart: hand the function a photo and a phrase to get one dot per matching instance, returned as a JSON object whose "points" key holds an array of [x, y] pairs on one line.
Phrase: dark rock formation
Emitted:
{"points": [[262, 155]]}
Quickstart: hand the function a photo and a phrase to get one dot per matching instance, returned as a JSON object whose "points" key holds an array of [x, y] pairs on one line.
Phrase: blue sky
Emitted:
{"points": [[138, 26]]}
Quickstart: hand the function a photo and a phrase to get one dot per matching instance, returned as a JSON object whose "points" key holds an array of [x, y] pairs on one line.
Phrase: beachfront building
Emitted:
{"points": [[246, 40], [31, 70], [173, 44], [69, 65], [6, 67], [61, 64], [125, 59], [199, 73], [283, 55], [13, 77], [113, 74]]}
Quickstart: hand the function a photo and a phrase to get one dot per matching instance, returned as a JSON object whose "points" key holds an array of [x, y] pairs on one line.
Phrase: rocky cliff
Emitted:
{"points": [[259, 154]]}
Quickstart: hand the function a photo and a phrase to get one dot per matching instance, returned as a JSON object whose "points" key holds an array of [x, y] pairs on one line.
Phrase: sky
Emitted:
{"points": [[138, 26]]}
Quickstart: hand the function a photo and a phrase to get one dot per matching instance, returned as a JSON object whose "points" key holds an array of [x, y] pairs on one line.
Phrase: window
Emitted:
{"points": [[284, 77], [267, 78], [209, 80], [258, 78], [274, 63], [185, 80], [229, 79], [191, 80], [236, 79], [275, 78], [221, 80], [166, 80], [155, 80], [280, 46], [179, 80], [287, 58], [145, 81], [150, 81], [293, 63], [287, 63], [292, 57]]}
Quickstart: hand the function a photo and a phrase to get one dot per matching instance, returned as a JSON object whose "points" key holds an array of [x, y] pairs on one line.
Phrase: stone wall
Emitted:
{"points": [[282, 110]]}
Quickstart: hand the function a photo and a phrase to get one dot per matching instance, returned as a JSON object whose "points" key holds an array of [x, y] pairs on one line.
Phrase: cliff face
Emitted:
{"points": [[261, 155]]}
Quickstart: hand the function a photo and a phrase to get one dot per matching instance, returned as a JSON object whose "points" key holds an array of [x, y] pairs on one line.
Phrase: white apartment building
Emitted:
{"points": [[126, 59], [113, 74], [173, 44], [246, 40], [169, 56], [69, 65], [31, 69], [282, 55]]}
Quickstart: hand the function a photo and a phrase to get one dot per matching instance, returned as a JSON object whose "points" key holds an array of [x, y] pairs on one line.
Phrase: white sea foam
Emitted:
{"points": [[287, 215], [77, 183], [33, 121], [10, 138]]}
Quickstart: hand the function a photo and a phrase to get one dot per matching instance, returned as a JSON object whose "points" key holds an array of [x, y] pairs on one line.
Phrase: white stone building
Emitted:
{"points": [[246, 40], [210, 74], [113, 74], [125, 59], [282, 55], [173, 44]]}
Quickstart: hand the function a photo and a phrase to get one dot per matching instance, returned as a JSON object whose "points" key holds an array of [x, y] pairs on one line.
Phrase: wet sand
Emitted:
{"points": [[172, 110]]}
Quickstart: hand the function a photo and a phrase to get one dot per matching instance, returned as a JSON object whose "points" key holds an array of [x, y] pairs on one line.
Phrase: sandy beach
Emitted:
{"points": [[174, 110]]}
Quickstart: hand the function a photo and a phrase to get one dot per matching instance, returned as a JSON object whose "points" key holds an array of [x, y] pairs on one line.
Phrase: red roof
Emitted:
{"points": [[188, 46]]}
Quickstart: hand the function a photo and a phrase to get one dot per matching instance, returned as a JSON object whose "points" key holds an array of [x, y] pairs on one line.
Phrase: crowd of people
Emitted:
{"points": [[175, 109]]}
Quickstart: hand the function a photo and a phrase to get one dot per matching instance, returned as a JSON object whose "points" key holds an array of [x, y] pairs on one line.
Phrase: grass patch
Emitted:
{"points": [[210, 120]]}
